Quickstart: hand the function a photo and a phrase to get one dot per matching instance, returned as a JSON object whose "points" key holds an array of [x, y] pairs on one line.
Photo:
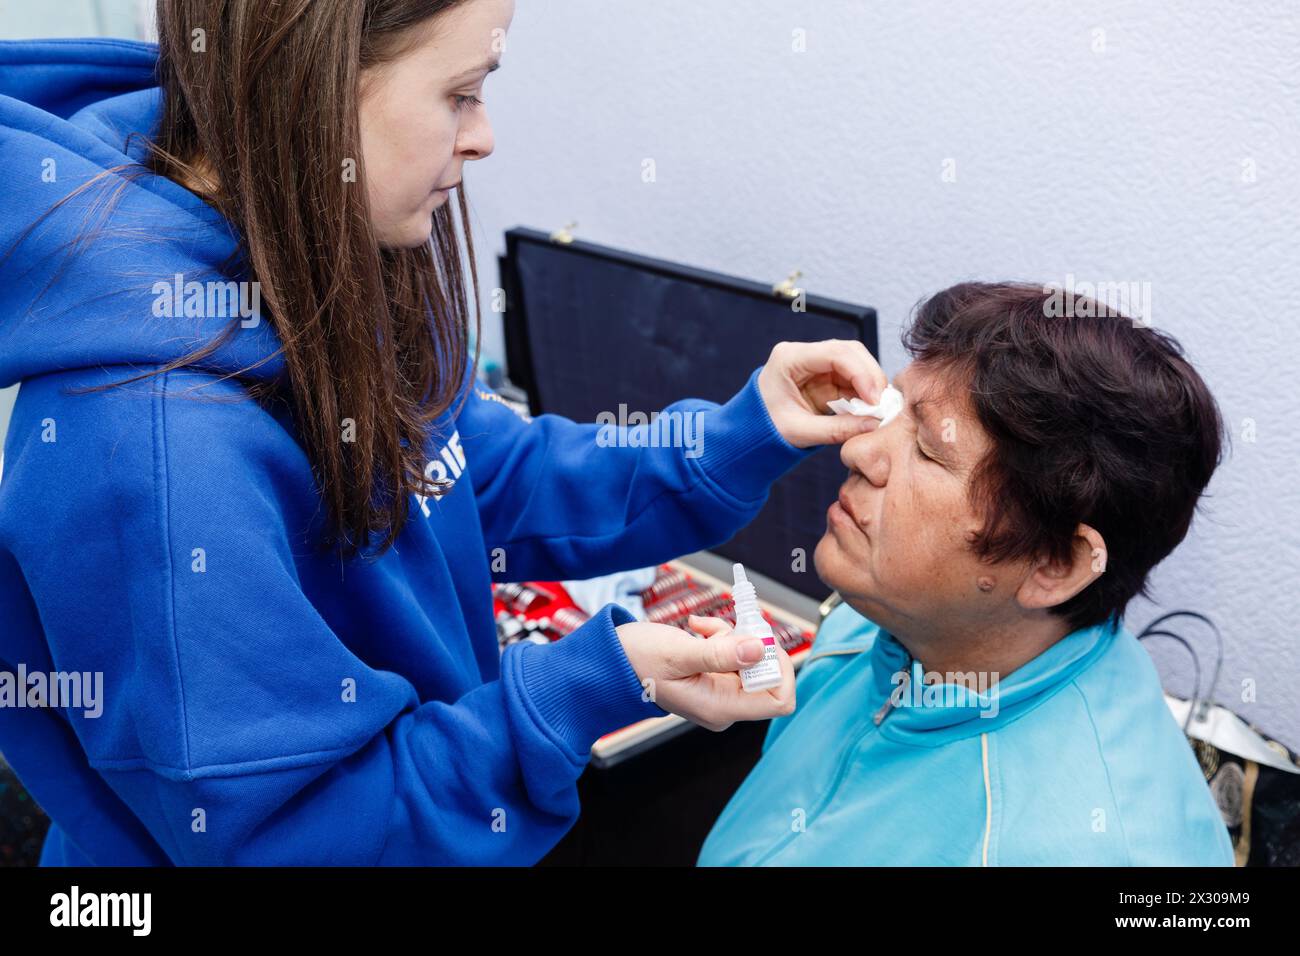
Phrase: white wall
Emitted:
{"points": [[1119, 156], [74, 18]]}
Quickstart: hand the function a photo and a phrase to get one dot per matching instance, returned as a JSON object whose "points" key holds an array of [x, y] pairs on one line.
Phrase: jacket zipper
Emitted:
{"points": [[902, 688], [840, 769]]}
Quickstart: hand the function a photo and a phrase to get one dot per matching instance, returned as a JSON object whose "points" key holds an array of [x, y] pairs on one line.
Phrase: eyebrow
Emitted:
{"points": [[916, 408], [489, 66]]}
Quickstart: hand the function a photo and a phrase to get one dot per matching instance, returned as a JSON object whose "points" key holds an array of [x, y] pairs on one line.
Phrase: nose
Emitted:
{"points": [[475, 139], [868, 454]]}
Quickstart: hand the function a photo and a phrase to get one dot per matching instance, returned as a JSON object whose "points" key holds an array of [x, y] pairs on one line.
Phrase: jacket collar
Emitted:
{"points": [[930, 715]]}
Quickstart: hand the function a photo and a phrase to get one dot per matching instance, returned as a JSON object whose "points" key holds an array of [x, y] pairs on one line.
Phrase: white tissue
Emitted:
{"points": [[890, 404]]}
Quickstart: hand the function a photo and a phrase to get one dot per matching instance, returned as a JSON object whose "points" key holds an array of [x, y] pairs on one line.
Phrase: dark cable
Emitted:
{"points": [[1218, 663], [1196, 668]]}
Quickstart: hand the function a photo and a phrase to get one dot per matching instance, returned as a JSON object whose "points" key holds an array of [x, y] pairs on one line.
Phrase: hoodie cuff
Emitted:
{"points": [[743, 452], [583, 685]]}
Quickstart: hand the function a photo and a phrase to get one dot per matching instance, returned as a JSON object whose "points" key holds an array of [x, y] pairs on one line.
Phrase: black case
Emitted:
{"points": [[588, 328]]}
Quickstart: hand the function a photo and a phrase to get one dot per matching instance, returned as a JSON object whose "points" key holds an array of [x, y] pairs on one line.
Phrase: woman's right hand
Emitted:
{"points": [[697, 678]]}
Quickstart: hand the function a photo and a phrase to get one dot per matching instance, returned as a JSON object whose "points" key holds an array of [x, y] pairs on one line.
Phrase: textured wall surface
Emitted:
{"points": [[1149, 143]]}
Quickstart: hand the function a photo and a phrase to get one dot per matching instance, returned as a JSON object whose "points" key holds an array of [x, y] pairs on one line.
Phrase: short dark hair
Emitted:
{"points": [[1092, 417]]}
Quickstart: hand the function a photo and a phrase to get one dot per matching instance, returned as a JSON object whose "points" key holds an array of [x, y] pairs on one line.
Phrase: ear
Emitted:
{"points": [[1051, 583]]}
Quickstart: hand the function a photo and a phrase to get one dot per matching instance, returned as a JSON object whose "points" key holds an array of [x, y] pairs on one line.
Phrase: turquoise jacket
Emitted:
{"points": [[1073, 759]]}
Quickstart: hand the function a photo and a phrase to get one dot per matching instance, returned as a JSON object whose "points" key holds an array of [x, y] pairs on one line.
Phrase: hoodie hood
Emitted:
{"points": [[71, 110]]}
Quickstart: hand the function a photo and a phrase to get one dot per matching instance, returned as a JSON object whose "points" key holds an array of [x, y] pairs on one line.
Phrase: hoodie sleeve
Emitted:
{"points": [[563, 500], [235, 723]]}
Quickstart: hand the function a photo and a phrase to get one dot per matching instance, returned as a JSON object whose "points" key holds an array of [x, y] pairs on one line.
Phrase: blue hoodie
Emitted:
{"points": [[261, 703], [1073, 759]]}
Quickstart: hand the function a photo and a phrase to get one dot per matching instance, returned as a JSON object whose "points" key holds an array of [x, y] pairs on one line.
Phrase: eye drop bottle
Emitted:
{"points": [[750, 622]]}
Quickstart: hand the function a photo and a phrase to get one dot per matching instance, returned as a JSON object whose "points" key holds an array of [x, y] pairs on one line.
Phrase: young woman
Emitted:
{"points": [[260, 540]]}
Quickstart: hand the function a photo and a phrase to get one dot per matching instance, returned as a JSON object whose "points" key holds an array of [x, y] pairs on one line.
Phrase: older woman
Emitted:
{"points": [[975, 700]]}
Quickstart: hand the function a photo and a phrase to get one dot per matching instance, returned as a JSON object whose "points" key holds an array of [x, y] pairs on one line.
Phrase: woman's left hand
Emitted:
{"points": [[800, 378]]}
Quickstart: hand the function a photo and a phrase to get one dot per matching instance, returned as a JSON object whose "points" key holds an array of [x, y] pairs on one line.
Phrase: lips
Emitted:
{"points": [[848, 508]]}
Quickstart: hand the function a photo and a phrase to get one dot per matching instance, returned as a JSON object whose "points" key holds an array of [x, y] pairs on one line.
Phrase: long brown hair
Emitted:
{"points": [[260, 124]]}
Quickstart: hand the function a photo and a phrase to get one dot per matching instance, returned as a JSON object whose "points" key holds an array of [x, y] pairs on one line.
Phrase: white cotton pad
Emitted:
{"points": [[890, 404]]}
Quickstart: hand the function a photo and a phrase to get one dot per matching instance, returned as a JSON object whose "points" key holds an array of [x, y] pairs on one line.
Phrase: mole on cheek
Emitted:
{"points": [[985, 584]]}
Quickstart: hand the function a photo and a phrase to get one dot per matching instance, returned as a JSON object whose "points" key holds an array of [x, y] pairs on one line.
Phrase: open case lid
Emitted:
{"points": [[590, 328]]}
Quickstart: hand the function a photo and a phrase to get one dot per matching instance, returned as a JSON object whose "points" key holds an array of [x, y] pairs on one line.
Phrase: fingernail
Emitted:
{"points": [[750, 651]]}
